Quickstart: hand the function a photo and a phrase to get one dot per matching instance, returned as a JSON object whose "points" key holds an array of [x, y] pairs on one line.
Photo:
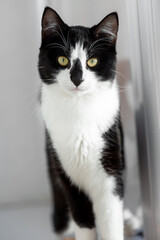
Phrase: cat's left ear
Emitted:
{"points": [[52, 23], [108, 27]]}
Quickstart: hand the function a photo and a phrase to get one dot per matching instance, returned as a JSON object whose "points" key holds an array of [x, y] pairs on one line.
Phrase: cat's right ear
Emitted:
{"points": [[51, 23], [108, 27]]}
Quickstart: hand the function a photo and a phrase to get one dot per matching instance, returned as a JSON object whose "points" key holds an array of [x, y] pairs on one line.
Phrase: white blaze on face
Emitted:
{"points": [[81, 54]]}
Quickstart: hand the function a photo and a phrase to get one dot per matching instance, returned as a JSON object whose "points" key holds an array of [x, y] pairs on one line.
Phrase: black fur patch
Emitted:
{"points": [[66, 196], [113, 156]]}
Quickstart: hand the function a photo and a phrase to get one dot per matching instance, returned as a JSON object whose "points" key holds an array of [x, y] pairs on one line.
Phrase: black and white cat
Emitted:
{"points": [[81, 110]]}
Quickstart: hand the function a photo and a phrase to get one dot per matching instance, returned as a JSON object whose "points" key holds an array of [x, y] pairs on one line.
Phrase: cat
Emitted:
{"points": [[84, 138]]}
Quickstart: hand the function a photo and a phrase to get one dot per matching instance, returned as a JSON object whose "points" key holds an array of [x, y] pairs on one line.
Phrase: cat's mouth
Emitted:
{"points": [[76, 89], [80, 90]]}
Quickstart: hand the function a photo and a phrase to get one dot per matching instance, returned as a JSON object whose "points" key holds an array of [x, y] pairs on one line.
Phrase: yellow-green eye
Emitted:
{"points": [[63, 61], [92, 62]]}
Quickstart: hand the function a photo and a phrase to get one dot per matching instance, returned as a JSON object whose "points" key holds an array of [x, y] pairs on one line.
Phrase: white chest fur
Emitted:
{"points": [[76, 125]]}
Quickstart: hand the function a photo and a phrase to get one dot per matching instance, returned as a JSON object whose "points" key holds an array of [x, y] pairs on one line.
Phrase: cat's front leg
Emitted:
{"points": [[108, 208]]}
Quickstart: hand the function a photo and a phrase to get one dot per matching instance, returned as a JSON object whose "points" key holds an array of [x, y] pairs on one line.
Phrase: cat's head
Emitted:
{"points": [[77, 59]]}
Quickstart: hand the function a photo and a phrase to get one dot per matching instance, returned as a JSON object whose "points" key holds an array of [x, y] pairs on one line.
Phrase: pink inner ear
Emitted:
{"points": [[108, 27], [47, 18], [51, 20]]}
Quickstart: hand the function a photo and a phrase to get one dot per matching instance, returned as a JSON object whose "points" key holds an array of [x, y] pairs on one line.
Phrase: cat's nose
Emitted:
{"points": [[76, 73], [77, 81]]}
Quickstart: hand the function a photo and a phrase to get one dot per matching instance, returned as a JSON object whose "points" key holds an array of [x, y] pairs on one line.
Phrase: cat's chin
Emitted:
{"points": [[77, 90], [80, 91]]}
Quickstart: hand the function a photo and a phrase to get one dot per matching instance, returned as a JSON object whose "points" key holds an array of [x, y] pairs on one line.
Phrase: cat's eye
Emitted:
{"points": [[63, 61], [92, 62]]}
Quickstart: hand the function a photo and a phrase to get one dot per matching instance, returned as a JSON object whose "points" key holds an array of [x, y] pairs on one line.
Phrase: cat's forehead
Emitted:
{"points": [[79, 35], [78, 51], [79, 38]]}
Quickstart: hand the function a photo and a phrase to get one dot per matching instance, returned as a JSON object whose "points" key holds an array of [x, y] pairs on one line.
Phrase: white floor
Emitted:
{"points": [[31, 223], [27, 223]]}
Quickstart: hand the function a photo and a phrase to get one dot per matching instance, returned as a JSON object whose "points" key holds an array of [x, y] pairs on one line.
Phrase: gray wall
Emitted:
{"points": [[145, 60], [22, 158]]}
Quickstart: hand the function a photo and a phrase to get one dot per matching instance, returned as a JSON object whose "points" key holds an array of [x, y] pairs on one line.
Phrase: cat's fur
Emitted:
{"points": [[81, 111]]}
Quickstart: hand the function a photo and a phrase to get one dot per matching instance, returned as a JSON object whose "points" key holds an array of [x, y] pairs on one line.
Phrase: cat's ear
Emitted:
{"points": [[51, 23], [108, 27]]}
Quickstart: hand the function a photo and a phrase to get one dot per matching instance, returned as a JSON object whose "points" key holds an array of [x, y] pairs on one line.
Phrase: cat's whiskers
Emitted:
{"points": [[119, 73], [48, 79], [46, 67], [98, 47], [99, 40], [32, 104], [57, 45], [35, 92], [123, 89], [35, 110]]}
